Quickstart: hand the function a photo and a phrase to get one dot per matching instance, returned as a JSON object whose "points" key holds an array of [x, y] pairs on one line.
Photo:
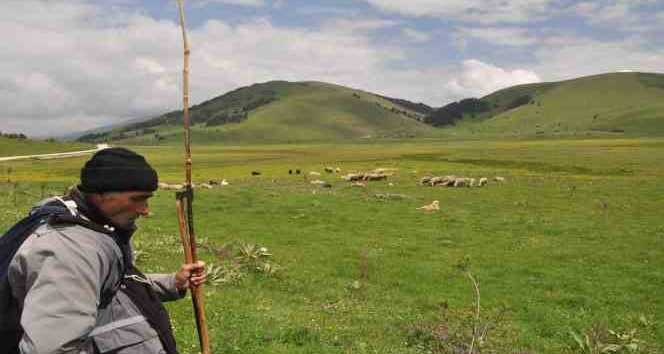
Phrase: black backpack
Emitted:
{"points": [[10, 242]]}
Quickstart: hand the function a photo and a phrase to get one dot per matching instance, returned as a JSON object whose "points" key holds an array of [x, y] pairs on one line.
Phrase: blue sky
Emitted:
{"points": [[75, 64]]}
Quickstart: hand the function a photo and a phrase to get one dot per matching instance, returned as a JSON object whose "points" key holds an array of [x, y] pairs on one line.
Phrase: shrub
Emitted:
{"points": [[519, 101]]}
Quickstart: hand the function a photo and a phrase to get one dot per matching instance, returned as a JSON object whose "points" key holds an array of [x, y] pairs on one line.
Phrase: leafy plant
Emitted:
{"points": [[463, 265], [236, 260], [605, 341], [249, 252], [268, 269], [466, 331], [222, 274]]}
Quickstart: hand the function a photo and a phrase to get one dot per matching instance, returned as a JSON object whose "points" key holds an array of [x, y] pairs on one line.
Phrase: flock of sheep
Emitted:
{"points": [[359, 179], [454, 181], [176, 187]]}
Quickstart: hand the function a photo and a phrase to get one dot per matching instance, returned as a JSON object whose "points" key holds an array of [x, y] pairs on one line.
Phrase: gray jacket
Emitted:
{"points": [[58, 276]]}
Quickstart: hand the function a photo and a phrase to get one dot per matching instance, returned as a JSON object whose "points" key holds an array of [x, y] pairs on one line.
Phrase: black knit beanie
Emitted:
{"points": [[117, 169]]}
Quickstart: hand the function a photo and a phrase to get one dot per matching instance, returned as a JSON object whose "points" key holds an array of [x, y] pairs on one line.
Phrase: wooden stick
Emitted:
{"points": [[185, 97], [196, 291], [184, 235], [186, 198]]}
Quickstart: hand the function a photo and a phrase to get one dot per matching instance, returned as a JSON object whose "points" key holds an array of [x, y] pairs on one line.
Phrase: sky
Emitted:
{"points": [[72, 65]]}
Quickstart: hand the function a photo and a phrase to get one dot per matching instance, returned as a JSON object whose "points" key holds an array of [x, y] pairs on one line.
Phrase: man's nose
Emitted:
{"points": [[143, 210]]}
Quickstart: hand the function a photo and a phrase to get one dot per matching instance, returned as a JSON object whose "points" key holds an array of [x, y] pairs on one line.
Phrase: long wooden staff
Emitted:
{"points": [[185, 201]]}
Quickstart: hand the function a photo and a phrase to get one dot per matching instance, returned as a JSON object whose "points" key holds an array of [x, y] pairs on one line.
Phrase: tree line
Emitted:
{"points": [[19, 136]]}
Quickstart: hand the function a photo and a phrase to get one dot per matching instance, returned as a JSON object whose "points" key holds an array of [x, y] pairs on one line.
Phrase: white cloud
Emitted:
{"points": [[482, 11], [278, 4], [565, 57], [587, 8], [80, 70], [415, 35], [357, 24], [76, 65], [632, 15], [478, 78], [507, 36], [597, 13], [325, 10], [251, 3], [148, 65]]}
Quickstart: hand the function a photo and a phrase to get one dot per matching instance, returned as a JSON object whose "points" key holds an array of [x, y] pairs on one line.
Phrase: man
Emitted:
{"points": [[74, 281]]}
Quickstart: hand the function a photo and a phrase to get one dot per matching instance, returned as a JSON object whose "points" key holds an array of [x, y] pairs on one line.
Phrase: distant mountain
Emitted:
{"points": [[280, 111], [106, 128], [630, 104]]}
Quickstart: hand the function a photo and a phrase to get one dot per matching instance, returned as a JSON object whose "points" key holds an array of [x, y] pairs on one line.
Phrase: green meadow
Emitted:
{"points": [[571, 244]]}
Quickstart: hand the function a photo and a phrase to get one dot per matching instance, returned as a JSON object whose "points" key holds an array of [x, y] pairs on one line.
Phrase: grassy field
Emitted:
{"points": [[570, 242], [11, 147]]}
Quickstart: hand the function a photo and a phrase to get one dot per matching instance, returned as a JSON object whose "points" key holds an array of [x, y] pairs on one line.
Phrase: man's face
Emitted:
{"points": [[122, 208]]}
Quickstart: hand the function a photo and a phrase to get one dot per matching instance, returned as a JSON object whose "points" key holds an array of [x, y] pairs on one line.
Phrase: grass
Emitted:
{"points": [[10, 147], [572, 239]]}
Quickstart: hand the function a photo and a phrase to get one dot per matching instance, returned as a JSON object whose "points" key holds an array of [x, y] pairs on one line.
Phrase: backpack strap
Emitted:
{"points": [[62, 219], [69, 204], [58, 211], [10, 242]]}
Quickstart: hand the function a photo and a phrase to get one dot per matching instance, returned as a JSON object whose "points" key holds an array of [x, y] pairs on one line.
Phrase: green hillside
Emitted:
{"points": [[617, 104], [281, 111], [11, 147], [624, 104]]}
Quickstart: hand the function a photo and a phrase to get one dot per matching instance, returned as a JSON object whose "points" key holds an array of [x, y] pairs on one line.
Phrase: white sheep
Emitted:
{"points": [[435, 181], [321, 183], [460, 182], [435, 205], [425, 181], [353, 177], [170, 187]]}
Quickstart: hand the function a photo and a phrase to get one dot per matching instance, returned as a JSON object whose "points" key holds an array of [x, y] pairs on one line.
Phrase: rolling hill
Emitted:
{"points": [[626, 104], [280, 111], [622, 104]]}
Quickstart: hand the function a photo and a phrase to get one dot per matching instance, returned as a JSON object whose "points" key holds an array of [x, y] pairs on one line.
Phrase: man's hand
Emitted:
{"points": [[190, 275]]}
